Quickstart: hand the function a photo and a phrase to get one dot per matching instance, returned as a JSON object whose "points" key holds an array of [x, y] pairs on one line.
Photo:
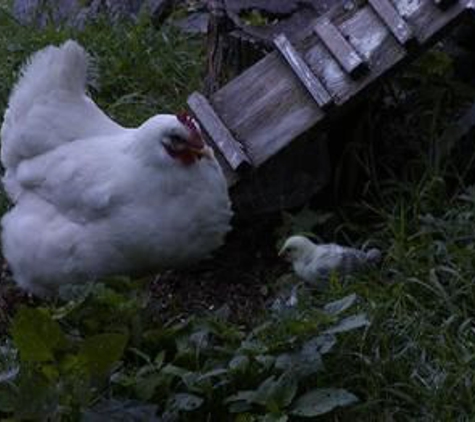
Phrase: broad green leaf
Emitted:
{"points": [[285, 390], [339, 306], [274, 418], [324, 343], [276, 393], [303, 363], [320, 401], [266, 361], [37, 397], [246, 396], [159, 359], [284, 361], [101, 351], [310, 358], [175, 371], [239, 363], [199, 339], [141, 355], [36, 335], [186, 402], [255, 347], [146, 370], [51, 372], [145, 387], [241, 407], [8, 398], [191, 380], [351, 323], [241, 401], [116, 410], [213, 373], [264, 391]]}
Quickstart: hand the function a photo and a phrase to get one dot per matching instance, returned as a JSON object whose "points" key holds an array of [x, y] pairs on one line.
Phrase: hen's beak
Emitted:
{"points": [[282, 253], [206, 151]]}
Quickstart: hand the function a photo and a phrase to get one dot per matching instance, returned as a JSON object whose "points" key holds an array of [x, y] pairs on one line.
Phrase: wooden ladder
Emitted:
{"points": [[292, 89]]}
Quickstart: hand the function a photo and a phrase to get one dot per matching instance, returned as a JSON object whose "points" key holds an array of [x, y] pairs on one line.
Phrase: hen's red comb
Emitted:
{"points": [[196, 140]]}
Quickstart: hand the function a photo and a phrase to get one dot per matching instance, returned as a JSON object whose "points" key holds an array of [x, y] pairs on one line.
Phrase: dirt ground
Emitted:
{"points": [[240, 275]]}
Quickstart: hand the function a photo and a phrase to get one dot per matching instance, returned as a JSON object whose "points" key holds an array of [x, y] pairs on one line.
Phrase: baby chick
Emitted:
{"points": [[314, 263]]}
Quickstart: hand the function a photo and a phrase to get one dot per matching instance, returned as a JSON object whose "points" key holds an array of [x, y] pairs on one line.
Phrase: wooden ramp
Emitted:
{"points": [[298, 86]]}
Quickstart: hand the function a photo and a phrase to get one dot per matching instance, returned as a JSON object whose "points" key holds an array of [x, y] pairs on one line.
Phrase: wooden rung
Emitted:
{"points": [[340, 48], [393, 20], [220, 135], [445, 4], [303, 71]]}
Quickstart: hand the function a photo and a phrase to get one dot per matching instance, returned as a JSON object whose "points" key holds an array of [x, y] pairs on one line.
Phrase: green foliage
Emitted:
{"points": [[124, 410], [98, 354], [193, 369], [320, 401], [36, 335], [59, 369], [412, 359], [101, 351]]}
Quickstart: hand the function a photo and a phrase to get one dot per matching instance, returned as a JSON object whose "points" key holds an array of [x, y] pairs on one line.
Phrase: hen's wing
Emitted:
{"points": [[49, 105], [79, 179]]}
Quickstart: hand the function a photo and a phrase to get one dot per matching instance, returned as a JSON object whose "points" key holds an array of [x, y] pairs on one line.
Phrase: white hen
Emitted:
{"points": [[315, 263], [92, 198]]}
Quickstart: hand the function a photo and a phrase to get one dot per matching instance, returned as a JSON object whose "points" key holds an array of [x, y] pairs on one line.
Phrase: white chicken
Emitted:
{"points": [[315, 263], [92, 198]]}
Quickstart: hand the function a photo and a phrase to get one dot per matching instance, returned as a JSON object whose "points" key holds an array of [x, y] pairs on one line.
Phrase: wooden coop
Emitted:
{"points": [[314, 73]]}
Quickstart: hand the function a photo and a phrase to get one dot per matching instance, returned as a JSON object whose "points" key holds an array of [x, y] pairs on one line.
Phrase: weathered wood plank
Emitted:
{"points": [[231, 176], [231, 149], [302, 71], [273, 110], [432, 20], [341, 49], [266, 110], [395, 22], [377, 47]]}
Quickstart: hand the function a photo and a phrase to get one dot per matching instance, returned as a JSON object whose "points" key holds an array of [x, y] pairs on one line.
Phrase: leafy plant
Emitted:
{"points": [[100, 354], [190, 369]]}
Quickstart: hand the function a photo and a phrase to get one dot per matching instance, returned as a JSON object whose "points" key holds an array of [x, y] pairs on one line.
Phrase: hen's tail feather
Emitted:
{"points": [[66, 67]]}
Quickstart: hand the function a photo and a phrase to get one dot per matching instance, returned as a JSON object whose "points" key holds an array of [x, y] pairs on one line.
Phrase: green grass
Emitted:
{"points": [[105, 348], [141, 71], [417, 359]]}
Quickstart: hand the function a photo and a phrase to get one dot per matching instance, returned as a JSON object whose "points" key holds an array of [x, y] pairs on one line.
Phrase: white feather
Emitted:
{"points": [[49, 107]]}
